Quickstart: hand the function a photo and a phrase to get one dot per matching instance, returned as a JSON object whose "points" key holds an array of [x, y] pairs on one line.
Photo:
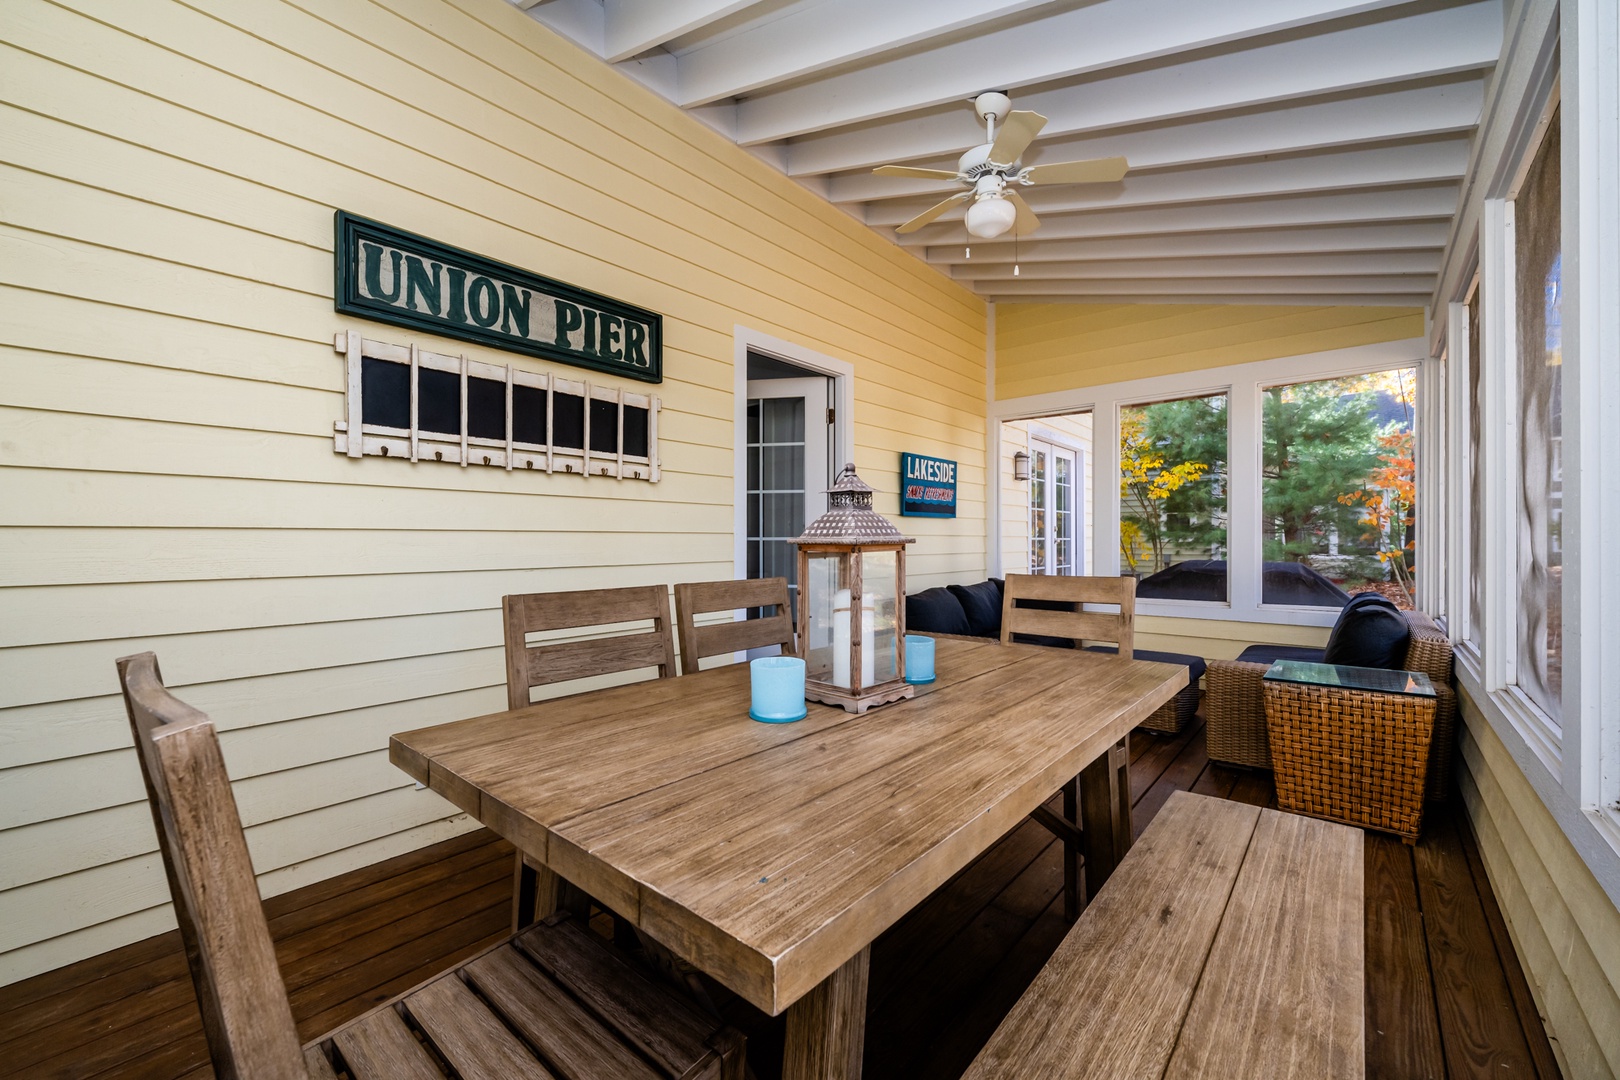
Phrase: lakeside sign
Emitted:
{"points": [[393, 276], [927, 486]]}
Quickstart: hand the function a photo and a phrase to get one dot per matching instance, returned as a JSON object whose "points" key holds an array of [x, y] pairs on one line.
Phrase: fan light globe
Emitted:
{"points": [[990, 217]]}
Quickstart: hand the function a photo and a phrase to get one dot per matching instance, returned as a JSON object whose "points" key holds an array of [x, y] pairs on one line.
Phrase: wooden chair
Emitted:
{"points": [[1105, 785], [553, 998], [1079, 624], [527, 666], [701, 597]]}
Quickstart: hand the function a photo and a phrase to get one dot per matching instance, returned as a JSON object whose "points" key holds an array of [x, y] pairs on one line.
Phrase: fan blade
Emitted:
{"points": [[1097, 171], [1026, 222], [1015, 136], [933, 212], [907, 170]]}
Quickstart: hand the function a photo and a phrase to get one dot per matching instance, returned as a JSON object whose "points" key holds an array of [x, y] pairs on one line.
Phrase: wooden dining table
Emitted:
{"points": [[771, 855]]}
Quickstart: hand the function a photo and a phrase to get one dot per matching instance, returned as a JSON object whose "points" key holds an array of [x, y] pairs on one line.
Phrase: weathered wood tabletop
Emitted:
{"points": [[771, 855]]}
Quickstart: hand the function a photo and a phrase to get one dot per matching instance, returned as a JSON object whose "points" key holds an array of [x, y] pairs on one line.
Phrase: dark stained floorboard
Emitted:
{"points": [[1446, 998]]}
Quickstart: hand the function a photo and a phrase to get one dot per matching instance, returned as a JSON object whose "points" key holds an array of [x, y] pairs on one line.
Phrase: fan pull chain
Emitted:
{"points": [[1015, 252]]}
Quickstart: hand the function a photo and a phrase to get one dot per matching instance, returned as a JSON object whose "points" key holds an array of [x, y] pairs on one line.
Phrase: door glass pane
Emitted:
{"points": [[1338, 489], [1539, 508], [1037, 511], [776, 487], [1172, 491], [1063, 513]]}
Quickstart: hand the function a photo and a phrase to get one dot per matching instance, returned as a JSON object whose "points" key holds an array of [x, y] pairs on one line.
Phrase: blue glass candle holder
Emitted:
{"points": [[776, 684], [919, 659]]}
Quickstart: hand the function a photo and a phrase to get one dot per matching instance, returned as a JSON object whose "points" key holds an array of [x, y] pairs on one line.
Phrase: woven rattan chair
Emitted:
{"points": [[550, 663], [702, 597], [1236, 716], [552, 1001]]}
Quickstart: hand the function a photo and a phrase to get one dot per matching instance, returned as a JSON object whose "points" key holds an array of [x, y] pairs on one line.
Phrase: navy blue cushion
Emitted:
{"points": [[1194, 664], [935, 611], [1370, 633], [1268, 654], [982, 604]]}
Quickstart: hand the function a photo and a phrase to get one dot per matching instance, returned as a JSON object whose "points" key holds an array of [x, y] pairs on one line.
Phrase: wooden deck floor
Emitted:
{"points": [[1445, 996]]}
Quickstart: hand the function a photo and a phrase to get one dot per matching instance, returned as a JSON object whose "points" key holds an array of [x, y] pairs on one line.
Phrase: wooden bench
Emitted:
{"points": [[1228, 943]]}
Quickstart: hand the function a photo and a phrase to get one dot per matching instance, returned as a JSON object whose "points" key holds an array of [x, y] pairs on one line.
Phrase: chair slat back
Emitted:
{"points": [[702, 597], [240, 992], [528, 666], [1080, 624]]}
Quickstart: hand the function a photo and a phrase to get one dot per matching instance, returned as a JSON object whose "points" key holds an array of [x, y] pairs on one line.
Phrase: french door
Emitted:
{"points": [[1055, 509], [789, 471]]}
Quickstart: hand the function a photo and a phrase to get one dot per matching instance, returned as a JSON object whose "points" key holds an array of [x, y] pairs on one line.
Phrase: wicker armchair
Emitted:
{"points": [[1236, 715]]}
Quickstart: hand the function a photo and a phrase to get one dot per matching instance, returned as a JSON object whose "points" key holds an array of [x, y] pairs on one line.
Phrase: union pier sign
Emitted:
{"points": [[393, 276]]}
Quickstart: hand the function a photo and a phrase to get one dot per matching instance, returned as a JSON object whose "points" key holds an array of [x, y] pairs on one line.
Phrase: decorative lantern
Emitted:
{"points": [[852, 602]]}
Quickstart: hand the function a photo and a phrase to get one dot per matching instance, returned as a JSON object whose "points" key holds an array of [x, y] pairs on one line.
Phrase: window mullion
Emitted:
{"points": [[1243, 532], [1498, 343]]}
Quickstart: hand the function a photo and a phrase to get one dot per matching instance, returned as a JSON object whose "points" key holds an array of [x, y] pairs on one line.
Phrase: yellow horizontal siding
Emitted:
{"points": [[168, 390], [1045, 348], [1565, 930]]}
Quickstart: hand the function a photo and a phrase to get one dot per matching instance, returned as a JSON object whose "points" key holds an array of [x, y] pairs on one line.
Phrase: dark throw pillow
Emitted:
{"points": [[936, 611], [982, 603], [1370, 633]]}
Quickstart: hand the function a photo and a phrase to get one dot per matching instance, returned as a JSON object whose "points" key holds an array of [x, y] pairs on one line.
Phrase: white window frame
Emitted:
{"points": [[1573, 766], [1243, 384]]}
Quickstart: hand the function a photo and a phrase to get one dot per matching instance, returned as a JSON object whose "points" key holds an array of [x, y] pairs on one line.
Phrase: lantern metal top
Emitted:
{"points": [[851, 519]]}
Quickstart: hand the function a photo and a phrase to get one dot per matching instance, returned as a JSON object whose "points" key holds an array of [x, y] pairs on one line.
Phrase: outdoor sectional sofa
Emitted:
{"points": [[975, 611]]}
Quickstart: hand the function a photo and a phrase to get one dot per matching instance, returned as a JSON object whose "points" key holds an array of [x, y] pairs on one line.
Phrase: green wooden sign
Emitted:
{"points": [[393, 276]]}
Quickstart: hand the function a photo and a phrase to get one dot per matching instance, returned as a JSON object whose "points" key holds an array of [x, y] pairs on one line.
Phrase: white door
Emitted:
{"points": [[1055, 508], [789, 471]]}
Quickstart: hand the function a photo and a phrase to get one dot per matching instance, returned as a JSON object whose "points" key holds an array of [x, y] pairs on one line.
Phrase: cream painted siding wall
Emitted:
{"points": [[1564, 928], [1045, 348], [168, 389]]}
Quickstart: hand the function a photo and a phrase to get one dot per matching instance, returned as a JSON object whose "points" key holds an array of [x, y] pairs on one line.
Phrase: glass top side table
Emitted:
{"points": [[1350, 744]]}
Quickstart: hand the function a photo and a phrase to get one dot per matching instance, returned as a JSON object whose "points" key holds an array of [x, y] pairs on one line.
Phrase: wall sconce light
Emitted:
{"points": [[1020, 466]]}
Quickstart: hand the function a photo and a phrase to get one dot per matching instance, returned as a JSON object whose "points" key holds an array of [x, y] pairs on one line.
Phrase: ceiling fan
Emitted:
{"points": [[990, 169]]}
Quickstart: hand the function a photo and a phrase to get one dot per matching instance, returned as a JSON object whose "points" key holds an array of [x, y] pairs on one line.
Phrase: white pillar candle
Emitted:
{"points": [[840, 635]]}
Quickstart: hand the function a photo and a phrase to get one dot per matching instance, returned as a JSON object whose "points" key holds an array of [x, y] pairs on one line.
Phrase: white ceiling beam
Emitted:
{"points": [[1415, 236], [1432, 43], [1336, 264], [1413, 112], [634, 26], [1412, 285], [1350, 170], [1383, 207], [1096, 37], [806, 40], [1413, 300]]}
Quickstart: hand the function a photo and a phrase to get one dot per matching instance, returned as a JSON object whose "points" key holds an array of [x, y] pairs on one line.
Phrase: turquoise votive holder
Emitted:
{"points": [[919, 659], [776, 684]]}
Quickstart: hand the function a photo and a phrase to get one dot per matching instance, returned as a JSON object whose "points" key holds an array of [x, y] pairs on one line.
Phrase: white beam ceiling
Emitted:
{"points": [[1303, 149]]}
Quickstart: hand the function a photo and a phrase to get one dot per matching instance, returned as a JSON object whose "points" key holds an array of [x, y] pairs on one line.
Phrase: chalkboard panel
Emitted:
{"points": [[385, 393], [635, 431], [438, 401], [604, 427], [528, 415], [486, 409], [568, 426]]}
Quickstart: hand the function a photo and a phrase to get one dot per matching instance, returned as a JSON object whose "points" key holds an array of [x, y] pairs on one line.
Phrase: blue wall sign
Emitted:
{"points": [[927, 486]]}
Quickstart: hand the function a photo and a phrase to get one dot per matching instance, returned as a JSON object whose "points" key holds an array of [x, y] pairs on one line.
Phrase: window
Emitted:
{"points": [[1476, 493], [1172, 491], [410, 403], [1538, 507], [1338, 489]]}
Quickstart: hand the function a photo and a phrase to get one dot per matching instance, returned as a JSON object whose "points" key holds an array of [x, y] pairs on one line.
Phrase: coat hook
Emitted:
{"points": [[486, 459], [385, 450], [438, 455]]}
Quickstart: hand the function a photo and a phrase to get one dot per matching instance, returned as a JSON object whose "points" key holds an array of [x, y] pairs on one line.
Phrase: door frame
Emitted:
{"points": [[842, 396]]}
